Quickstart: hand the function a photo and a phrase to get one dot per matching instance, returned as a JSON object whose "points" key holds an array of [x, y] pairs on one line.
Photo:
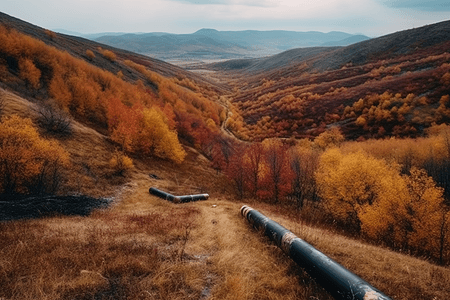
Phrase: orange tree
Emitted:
{"points": [[29, 164]]}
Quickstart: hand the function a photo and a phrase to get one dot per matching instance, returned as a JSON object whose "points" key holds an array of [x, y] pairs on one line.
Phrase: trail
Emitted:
{"points": [[236, 261]]}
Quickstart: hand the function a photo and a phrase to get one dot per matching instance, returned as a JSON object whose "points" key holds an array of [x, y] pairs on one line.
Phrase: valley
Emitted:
{"points": [[347, 146]]}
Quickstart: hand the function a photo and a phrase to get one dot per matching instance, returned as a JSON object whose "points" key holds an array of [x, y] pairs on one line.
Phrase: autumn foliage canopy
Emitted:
{"points": [[29, 164]]}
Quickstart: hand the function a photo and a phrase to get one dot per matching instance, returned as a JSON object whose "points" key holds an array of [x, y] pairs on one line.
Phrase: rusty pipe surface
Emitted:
{"points": [[337, 280], [177, 199]]}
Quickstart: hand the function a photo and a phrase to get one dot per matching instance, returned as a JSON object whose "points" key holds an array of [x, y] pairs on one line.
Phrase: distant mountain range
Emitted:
{"points": [[214, 44]]}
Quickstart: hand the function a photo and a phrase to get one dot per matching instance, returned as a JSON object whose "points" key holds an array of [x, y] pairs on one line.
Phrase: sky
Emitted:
{"points": [[370, 17]]}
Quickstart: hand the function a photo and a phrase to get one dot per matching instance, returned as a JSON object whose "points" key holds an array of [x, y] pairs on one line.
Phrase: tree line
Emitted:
{"points": [[392, 191]]}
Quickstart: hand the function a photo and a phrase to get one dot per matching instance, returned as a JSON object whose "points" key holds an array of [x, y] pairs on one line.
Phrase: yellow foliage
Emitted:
{"points": [[156, 138], [330, 138], [361, 121], [29, 72], [108, 54], [120, 163], [445, 79], [370, 196], [423, 210], [28, 163], [350, 183]]}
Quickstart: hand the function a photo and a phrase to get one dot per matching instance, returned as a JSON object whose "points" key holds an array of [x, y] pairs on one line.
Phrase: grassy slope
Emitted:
{"points": [[146, 248], [77, 46]]}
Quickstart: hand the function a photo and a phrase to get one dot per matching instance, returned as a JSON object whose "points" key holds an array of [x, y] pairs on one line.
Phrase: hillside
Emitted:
{"points": [[84, 119], [302, 92], [108, 88], [77, 46], [210, 44], [143, 246]]}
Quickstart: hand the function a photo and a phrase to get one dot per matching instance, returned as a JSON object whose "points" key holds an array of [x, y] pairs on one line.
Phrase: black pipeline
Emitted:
{"points": [[337, 280], [177, 199]]}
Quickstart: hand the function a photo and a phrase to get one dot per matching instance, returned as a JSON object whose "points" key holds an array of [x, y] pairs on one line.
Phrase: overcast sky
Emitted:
{"points": [[369, 17]]}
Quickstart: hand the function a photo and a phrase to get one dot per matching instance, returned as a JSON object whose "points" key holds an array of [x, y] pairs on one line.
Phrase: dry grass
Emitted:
{"points": [[241, 263], [103, 257], [143, 247], [398, 275]]}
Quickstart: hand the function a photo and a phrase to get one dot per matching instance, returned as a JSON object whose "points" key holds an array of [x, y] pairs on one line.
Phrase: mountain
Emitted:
{"points": [[427, 38], [348, 41], [214, 44], [265, 64], [171, 46]]}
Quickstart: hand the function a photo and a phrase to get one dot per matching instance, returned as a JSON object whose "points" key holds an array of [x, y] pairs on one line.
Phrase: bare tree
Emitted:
{"points": [[255, 158], [54, 121], [303, 166], [276, 160], [236, 170]]}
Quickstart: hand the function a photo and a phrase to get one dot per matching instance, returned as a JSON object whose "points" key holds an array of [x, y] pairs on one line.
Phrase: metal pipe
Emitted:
{"points": [[177, 199], [337, 280]]}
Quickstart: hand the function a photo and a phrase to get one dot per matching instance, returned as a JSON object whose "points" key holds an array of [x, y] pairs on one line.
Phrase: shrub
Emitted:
{"points": [[120, 163], [29, 72], [108, 54], [50, 34], [54, 121], [29, 164], [330, 138], [90, 54]]}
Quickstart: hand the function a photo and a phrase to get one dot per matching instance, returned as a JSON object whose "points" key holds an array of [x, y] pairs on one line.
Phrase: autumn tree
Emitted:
{"points": [[29, 164], [237, 171], [303, 163], [123, 123], [423, 211], [330, 138], [29, 72], [154, 137], [120, 163], [253, 159], [277, 170], [221, 152], [350, 184], [143, 130], [108, 54]]}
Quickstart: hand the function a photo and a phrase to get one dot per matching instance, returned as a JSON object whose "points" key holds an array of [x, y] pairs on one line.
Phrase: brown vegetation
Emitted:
{"points": [[392, 192], [399, 95]]}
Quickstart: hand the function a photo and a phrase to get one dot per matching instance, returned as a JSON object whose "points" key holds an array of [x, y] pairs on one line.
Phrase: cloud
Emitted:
{"points": [[264, 3], [371, 17], [432, 6]]}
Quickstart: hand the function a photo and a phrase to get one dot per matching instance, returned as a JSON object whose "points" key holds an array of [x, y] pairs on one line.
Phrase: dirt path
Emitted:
{"points": [[236, 261]]}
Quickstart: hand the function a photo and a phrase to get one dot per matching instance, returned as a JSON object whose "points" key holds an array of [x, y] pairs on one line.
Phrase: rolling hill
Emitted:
{"points": [[145, 247], [77, 46], [301, 92], [213, 44]]}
